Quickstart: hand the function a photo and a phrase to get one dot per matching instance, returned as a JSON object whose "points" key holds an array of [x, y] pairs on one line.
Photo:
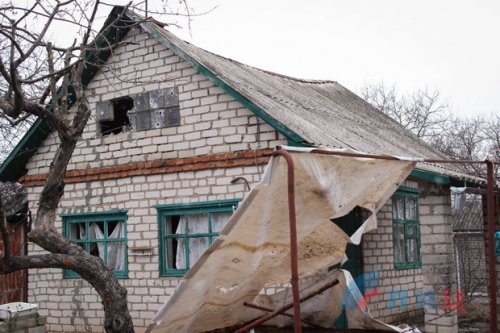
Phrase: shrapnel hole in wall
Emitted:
{"points": [[113, 115], [143, 111]]}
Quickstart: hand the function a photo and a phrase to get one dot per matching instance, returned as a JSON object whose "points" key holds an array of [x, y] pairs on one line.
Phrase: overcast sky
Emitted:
{"points": [[449, 45]]}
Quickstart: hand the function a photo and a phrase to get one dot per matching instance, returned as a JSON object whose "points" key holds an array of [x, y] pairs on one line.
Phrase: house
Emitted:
{"points": [[172, 126]]}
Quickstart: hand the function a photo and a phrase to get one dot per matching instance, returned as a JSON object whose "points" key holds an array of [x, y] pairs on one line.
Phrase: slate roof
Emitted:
{"points": [[316, 112], [309, 112]]}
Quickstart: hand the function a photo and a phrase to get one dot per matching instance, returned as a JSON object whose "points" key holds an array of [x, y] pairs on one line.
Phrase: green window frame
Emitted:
{"points": [[406, 229], [82, 229], [186, 230]]}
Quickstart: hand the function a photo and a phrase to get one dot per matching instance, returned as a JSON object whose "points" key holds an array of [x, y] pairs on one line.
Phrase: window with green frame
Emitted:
{"points": [[187, 230], [102, 234], [406, 229]]}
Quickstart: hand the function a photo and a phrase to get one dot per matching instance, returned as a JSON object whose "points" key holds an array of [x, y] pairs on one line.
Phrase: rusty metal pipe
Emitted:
{"points": [[389, 157], [288, 306], [237, 179], [491, 246], [293, 239], [263, 308]]}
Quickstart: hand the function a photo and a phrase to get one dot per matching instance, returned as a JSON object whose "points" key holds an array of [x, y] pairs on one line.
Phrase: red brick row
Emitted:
{"points": [[212, 161]]}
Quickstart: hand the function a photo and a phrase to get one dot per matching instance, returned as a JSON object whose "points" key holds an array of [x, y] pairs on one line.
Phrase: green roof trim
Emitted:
{"points": [[14, 165], [430, 177], [155, 33]]}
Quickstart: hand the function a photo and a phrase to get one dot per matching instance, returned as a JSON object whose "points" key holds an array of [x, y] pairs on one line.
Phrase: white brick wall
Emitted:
{"points": [[61, 299], [386, 304], [211, 122]]}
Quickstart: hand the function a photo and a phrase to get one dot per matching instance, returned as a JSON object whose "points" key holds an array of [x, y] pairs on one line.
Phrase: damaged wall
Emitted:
{"points": [[133, 177]]}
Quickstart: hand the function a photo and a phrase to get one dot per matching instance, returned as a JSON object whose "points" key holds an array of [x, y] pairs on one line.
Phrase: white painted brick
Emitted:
{"points": [[208, 116]]}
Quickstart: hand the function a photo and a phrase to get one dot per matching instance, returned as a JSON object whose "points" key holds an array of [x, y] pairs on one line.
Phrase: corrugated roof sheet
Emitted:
{"points": [[321, 112]]}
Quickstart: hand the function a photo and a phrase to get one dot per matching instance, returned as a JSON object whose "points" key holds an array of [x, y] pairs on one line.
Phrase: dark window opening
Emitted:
{"points": [[114, 118], [172, 224]]}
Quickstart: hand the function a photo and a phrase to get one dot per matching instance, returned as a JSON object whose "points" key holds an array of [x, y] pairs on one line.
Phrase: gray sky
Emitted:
{"points": [[449, 45]]}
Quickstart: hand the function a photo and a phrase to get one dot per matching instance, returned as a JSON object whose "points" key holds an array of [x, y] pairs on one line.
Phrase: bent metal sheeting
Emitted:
{"points": [[253, 250]]}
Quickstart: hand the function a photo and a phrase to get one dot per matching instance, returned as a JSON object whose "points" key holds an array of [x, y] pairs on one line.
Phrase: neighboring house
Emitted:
{"points": [[13, 286], [172, 125]]}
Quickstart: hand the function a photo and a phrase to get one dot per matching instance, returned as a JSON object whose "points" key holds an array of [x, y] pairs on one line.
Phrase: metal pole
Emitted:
{"points": [[390, 157], [293, 239], [265, 309], [491, 246], [288, 306]]}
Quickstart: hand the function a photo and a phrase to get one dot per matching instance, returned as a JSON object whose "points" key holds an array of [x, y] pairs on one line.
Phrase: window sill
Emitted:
{"points": [[401, 267], [67, 274]]}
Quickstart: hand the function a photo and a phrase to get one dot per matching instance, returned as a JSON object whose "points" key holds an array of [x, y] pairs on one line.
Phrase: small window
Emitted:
{"points": [[152, 109], [113, 118], [186, 231], [103, 235], [406, 230]]}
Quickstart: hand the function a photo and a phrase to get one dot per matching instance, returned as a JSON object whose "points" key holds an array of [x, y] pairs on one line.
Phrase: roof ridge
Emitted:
{"points": [[310, 81]]}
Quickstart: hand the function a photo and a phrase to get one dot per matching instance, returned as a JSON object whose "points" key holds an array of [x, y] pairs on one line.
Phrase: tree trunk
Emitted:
{"points": [[68, 255]]}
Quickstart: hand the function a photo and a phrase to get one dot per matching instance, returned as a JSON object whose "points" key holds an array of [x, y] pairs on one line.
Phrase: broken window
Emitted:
{"points": [[102, 235], [143, 111], [186, 231], [112, 115], [406, 230]]}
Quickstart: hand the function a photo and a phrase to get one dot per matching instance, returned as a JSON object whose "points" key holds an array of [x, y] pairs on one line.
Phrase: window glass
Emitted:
{"points": [[219, 220], [399, 208], [399, 242], [187, 231], [411, 209], [102, 235], [412, 250], [406, 233]]}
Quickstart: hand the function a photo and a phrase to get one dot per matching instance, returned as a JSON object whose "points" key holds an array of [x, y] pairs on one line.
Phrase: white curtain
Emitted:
{"points": [[116, 250], [197, 224]]}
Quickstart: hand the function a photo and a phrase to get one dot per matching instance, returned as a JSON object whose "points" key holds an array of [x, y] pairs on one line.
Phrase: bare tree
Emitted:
{"points": [[41, 79], [429, 117], [492, 135], [422, 112]]}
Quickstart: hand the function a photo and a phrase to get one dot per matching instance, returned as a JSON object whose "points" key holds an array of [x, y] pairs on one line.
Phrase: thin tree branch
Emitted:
{"points": [[43, 32], [52, 81], [4, 230]]}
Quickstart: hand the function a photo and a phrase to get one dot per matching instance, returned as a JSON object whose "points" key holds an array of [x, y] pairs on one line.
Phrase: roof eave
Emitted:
{"points": [[14, 165]]}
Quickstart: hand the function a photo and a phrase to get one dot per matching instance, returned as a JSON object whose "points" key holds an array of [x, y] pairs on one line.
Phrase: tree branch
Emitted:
{"points": [[4, 230], [52, 81], [36, 43]]}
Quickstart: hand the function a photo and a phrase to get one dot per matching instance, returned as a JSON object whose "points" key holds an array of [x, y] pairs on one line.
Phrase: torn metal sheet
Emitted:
{"points": [[253, 251]]}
